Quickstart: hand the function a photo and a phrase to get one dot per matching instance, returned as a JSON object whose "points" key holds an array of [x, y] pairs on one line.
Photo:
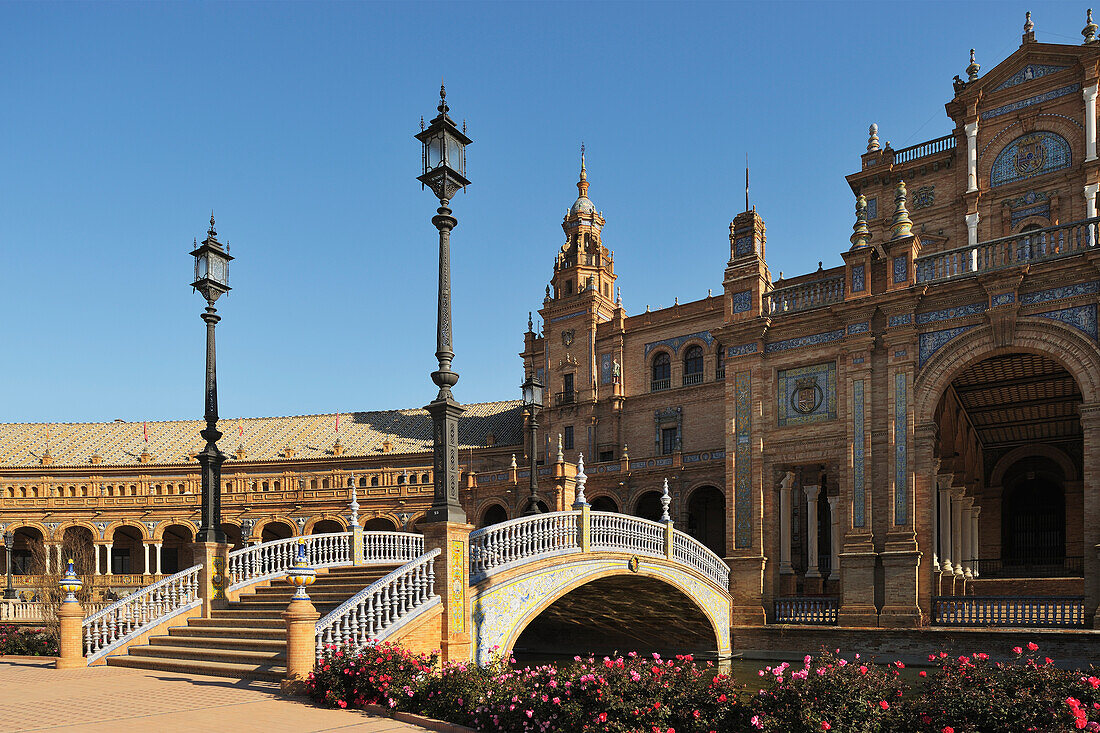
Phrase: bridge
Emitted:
{"points": [[603, 581]]}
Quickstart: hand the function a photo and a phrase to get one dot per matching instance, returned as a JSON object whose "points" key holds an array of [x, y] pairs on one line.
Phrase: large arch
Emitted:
{"points": [[277, 528], [504, 606], [706, 517], [494, 513]]}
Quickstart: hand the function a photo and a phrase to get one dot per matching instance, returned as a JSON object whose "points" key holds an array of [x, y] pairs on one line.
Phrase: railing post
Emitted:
{"points": [[584, 522], [212, 577], [666, 520], [453, 573], [301, 627], [70, 616]]}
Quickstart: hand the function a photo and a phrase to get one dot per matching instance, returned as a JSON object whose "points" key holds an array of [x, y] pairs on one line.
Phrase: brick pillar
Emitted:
{"points": [[301, 644], [212, 576], [70, 645], [858, 557], [1090, 425], [452, 578], [908, 584]]}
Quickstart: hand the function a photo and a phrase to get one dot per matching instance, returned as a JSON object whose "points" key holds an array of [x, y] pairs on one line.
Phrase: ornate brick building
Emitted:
{"points": [[863, 443]]}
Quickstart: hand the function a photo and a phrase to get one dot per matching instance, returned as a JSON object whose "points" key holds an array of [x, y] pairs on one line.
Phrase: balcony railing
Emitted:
{"points": [[805, 296], [810, 610], [1066, 567], [1008, 611], [565, 398], [940, 144], [719, 374], [696, 378], [1018, 249], [660, 385]]}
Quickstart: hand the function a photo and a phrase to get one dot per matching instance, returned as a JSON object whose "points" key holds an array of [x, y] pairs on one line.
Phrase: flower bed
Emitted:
{"points": [[28, 642], [649, 694]]}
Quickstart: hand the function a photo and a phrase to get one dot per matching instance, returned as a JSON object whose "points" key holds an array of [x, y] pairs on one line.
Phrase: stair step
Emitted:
{"points": [[314, 595], [192, 666], [220, 642], [207, 654], [223, 622], [224, 632]]}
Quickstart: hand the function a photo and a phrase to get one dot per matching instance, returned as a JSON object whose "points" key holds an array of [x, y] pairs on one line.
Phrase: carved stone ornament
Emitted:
{"points": [[568, 336]]}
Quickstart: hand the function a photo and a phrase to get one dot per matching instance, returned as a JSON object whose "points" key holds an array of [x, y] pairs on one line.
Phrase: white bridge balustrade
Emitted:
{"points": [[1008, 611], [519, 540], [382, 607], [527, 539], [273, 559], [105, 630]]}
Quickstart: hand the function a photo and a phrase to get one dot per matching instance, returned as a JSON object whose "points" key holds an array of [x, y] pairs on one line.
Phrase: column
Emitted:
{"points": [[974, 539], [966, 557], [1090, 199], [146, 560], [944, 482], [834, 537], [811, 531], [956, 528], [110, 546], [785, 523], [971, 129], [1089, 94], [95, 547], [49, 556], [972, 229], [159, 553]]}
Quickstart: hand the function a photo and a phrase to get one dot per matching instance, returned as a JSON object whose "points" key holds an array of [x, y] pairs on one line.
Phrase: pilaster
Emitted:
{"points": [[212, 579], [453, 581]]}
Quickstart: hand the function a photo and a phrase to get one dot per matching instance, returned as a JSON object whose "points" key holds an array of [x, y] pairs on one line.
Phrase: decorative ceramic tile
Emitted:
{"points": [[1066, 291], [901, 450], [949, 313], [1012, 107], [857, 359], [901, 354], [859, 327], [743, 246], [930, 343], [807, 394], [859, 496], [567, 316], [924, 197], [1082, 317], [872, 208], [903, 320], [859, 278], [901, 269], [605, 369], [1029, 72], [676, 343], [1042, 210], [1030, 155], [795, 343], [1002, 299], [740, 350], [743, 460], [742, 301]]}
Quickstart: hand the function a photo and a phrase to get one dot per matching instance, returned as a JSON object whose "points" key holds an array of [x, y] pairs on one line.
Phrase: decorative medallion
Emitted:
{"points": [[1030, 155], [924, 197], [807, 396], [634, 564], [568, 336]]}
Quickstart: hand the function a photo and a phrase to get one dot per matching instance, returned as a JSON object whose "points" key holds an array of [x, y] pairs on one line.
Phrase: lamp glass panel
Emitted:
{"points": [[455, 159], [201, 266], [434, 152], [219, 269]]}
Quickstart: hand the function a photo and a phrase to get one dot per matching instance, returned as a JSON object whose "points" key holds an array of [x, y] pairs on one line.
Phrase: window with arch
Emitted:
{"points": [[363, 481], [693, 365], [374, 480], [424, 479], [662, 372], [719, 362], [1030, 155]]}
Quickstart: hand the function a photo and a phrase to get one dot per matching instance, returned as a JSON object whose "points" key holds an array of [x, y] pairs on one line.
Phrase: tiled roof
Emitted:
{"points": [[263, 438]]}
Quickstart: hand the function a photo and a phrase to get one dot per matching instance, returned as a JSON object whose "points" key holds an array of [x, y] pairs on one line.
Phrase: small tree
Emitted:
{"points": [[46, 585]]}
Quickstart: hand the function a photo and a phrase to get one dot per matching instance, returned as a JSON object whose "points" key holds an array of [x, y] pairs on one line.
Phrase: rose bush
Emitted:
{"points": [[650, 694], [24, 641]]}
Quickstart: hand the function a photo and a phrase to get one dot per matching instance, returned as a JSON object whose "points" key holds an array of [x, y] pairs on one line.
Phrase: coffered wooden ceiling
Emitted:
{"points": [[1018, 399]]}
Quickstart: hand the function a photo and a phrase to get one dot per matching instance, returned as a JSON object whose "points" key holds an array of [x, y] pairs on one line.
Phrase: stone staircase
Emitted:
{"points": [[247, 639]]}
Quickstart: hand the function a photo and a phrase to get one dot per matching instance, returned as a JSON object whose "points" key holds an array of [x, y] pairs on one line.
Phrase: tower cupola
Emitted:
{"points": [[583, 264]]}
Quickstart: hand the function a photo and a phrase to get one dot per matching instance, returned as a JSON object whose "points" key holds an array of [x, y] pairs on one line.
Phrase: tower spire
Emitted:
{"points": [[582, 182], [861, 235], [902, 225]]}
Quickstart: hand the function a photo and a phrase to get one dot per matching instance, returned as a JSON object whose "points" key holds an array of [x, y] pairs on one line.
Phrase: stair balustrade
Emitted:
{"points": [[124, 619], [382, 607]]}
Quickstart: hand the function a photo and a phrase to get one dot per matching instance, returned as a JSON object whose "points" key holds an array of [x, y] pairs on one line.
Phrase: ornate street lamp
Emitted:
{"points": [[9, 545], [532, 403], [444, 162], [211, 280]]}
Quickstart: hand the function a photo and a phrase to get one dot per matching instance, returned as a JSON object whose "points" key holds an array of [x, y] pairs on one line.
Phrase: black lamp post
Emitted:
{"points": [[9, 545], [444, 162], [532, 403], [211, 280]]}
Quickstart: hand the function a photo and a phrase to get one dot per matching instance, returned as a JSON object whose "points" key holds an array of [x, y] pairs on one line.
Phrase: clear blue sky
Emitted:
{"points": [[124, 124]]}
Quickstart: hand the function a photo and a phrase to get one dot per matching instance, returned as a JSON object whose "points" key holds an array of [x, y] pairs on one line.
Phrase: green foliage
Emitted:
{"points": [[28, 642]]}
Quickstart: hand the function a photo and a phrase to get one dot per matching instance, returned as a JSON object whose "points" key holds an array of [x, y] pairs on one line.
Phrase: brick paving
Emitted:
{"points": [[34, 697]]}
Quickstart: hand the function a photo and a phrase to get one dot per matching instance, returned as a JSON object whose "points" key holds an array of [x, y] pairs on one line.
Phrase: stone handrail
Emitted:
{"points": [[273, 559], [116, 624], [527, 539], [37, 612], [1015, 250], [378, 609], [690, 551], [1024, 611], [807, 610], [929, 147], [517, 540], [804, 296]]}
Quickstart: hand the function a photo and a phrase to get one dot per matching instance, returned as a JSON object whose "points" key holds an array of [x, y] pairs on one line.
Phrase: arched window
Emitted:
{"points": [[720, 362], [693, 365], [374, 480], [662, 372]]}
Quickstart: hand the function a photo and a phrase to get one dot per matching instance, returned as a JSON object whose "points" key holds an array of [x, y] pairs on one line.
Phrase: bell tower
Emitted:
{"points": [[583, 266]]}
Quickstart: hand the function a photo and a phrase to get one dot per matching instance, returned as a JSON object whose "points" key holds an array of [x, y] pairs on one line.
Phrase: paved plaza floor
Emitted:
{"points": [[34, 697]]}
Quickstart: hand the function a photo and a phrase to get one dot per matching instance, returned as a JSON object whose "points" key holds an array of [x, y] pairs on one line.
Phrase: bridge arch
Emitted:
{"points": [[507, 604]]}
